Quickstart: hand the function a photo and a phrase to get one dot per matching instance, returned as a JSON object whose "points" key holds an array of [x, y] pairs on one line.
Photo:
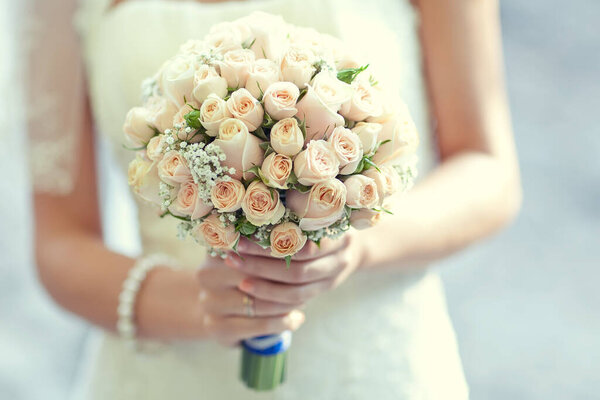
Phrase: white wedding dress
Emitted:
{"points": [[381, 335]]}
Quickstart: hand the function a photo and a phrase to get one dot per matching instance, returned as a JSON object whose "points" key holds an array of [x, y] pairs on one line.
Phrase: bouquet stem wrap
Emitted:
{"points": [[264, 360]]}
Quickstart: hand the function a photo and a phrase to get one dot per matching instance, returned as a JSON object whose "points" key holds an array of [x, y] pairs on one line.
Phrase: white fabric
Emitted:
{"points": [[380, 335]]}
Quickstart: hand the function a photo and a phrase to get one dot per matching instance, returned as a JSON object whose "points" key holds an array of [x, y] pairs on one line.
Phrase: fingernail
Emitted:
{"points": [[295, 319], [246, 286]]}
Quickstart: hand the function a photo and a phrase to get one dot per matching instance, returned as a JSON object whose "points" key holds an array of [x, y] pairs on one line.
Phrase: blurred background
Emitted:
{"points": [[525, 303]]}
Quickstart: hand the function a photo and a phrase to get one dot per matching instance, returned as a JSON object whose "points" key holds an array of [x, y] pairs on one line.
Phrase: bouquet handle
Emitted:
{"points": [[264, 360]]}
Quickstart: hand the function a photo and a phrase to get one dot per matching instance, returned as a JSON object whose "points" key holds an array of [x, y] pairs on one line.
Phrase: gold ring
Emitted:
{"points": [[248, 305]]}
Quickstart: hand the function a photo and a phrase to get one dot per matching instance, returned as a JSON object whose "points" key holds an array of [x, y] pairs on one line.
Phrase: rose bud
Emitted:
{"points": [[321, 207], [277, 169], [264, 72], [242, 149], [243, 106], [215, 234], [188, 204], [236, 66], [347, 147], [280, 100], [317, 163], [207, 81], [286, 240], [368, 133], [286, 137], [227, 195], [261, 205], [173, 169], [213, 111], [361, 192]]}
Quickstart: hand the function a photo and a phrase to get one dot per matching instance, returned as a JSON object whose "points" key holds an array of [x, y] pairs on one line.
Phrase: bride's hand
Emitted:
{"points": [[312, 271], [206, 304]]}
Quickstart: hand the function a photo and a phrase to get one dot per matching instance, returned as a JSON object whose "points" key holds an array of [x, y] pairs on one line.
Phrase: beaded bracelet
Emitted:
{"points": [[131, 286]]}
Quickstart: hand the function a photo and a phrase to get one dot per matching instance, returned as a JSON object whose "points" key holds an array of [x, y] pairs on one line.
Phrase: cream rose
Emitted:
{"points": [[277, 169], [331, 90], [361, 192], [241, 148], [188, 204], [364, 218], [212, 113], [142, 176], [227, 195], [243, 106], [179, 119], [264, 72], [236, 66], [178, 79], [317, 163], [156, 147], [223, 41], [280, 100], [364, 102], [268, 32], [321, 207], [287, 137], [399, 128], [368, 133], [387, 181], [297, 65], [161, 112], [261, 205], [347, 147], [215, 234], [173, 168], [193, 47], [137, 128], [319, 118], [207, 81], [286, 240]]}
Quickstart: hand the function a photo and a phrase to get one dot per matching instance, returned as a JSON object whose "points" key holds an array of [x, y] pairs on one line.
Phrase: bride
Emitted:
{"points": [[370, 316]]}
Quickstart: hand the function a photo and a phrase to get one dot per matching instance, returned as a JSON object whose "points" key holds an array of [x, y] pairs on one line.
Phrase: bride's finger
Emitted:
{"points": [[219, 275], [310, 251], [232, 329], [232, 302], [282, 292]]}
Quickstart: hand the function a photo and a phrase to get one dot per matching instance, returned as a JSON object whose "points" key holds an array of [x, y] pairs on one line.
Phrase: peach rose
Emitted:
{"points": [[286, 240], [261, 205], [347, 147], [227, 195], [243, 106], [236, 66], [319, 118], [188, 204], [280, 100], [319, 208], [399, 128], [137, 128], [207, 81], [142, 176], [212, 113], [277, 169], [297, 65], [178, 79], [241, 148], [368, 133], [364, 102], [287, 137], [215, 234], [387, 181], [173, 168], [362, 192], [161, 112], [317, 163], [364, 218], [264, 72], [156, 147]]}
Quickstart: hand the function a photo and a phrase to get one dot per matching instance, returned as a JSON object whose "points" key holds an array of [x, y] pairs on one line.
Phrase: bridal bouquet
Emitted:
{"points": [[271, 132]]}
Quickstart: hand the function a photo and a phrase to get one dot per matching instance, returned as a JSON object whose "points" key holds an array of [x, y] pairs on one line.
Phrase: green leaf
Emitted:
{"points": [[349, 74], [248, 44], [260, 133], [288, 261], [372, 81], [292, 179], [383, 210], [371, 163], [268, 121], [133, 148], [302, 125], [302, 93], [193, 119], [247, 228], [301, 188]]}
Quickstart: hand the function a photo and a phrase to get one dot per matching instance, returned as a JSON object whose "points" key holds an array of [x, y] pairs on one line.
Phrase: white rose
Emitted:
{"points": [[347, 147], [268, 32], [243, 106], [364, 102], [207, 81], [399, 128], [280, 100], [361, 192], [297, 66], [137, 128], [386, 179], [212, 113], [286, 137], [368, 132], [161, 112], [236, 66], [264, 72], [143, 178], [320, 119], [178, 79], [193, 47], [223, 41], [331, 90], [241, 148]]}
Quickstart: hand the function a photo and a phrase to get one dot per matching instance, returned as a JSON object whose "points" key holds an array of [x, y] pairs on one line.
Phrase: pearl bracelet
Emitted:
{"points": [[131, 286]]}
